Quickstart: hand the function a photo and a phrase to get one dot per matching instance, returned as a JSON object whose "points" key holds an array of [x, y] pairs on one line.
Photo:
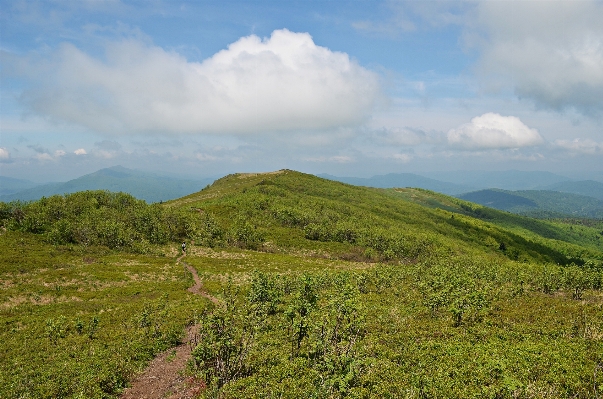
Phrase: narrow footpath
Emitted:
{"points": [[163, 377]]}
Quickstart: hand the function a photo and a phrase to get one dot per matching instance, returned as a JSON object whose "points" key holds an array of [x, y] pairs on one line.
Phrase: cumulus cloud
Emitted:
{"points": [[550, 52], [80, 151], [580, 146], [493, 131], [284, 82], [59, 153]]}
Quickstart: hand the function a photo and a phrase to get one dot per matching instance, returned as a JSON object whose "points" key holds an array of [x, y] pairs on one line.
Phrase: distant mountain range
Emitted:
{"points": [[8, 185], [538, 203], [540, 194], [404, 180], [142, 185], [505, 180], [590, 188]]}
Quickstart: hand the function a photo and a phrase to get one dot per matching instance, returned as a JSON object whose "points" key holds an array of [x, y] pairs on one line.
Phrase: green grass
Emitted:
{"points": [[51, 296], [329, 291]]}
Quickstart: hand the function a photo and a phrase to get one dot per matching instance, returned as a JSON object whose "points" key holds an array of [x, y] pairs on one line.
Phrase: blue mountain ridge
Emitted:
{"points": [[143, 185]]}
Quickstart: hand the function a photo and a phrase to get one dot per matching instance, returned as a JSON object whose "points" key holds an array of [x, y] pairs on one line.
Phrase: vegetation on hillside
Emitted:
{"points": [[328, 291], [93, 218], [589, 188], [538, 203]]}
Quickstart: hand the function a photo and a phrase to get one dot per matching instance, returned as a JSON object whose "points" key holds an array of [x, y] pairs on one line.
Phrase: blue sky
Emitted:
{"points": [[355, 88]]}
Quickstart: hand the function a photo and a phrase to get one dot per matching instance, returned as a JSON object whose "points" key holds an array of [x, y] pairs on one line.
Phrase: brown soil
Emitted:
{"points": [[163, 378]]}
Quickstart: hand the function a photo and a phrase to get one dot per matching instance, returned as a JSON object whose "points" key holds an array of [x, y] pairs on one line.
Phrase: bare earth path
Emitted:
{"points": [[163, 378]]}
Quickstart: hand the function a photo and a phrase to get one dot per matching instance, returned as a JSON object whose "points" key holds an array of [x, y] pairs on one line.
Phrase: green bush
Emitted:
{"points": [[114, 220]]}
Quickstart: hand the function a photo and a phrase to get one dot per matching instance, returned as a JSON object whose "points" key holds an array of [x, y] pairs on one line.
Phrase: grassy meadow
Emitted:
{"points": [[328, 290]]}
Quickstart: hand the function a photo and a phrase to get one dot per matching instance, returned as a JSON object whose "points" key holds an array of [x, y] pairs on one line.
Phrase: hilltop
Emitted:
{"points": [[287, 207]]}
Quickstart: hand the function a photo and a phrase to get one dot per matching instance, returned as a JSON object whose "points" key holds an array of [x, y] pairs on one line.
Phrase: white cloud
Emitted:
{"points": [[580, 146], [4, 154], [59, 153], [549, 52], [80, 151], [493, 131], [285, 82]]}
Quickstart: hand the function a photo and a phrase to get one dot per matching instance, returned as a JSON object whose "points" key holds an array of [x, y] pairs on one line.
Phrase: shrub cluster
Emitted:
{"points": [[309, 325], [115, 220]]}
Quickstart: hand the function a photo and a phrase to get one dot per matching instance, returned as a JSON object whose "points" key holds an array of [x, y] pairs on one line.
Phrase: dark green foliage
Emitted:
{"points": [[115, 220], [538, 203], [321, 318], [244, 235], [225, 337], [264, 295], [298, 312]]}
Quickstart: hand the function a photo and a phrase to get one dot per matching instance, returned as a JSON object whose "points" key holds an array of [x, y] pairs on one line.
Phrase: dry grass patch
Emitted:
{"points": [[18, 300], [210, 253]]}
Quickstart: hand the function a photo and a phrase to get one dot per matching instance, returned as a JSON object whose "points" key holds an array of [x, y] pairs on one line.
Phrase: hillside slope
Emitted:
{"points": [[539, 203], [287, 208], [589, 188]]}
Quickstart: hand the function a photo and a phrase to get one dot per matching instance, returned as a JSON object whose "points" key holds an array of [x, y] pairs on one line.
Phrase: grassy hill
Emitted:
{"points": [[328, 290], [147, 186], [539, 203]]}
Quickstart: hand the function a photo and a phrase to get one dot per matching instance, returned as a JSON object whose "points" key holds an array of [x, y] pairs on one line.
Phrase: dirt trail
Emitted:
{"points": [[198, 287], [163, 377]]}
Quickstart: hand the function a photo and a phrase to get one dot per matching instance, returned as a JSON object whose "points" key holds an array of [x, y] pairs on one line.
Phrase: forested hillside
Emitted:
{"points": [[325, 290], [590, 188], [539, 203]]}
